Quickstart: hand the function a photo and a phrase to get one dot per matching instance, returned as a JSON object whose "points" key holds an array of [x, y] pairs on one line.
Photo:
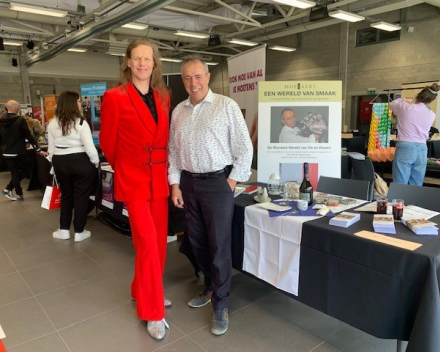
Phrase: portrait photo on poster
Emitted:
{"points": [[299, 124]]}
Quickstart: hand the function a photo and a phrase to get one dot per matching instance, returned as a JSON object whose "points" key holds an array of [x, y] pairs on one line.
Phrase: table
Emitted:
{"points": [[383, 290]]}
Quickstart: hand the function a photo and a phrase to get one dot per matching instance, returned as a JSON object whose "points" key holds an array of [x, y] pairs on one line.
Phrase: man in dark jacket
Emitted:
{"points": [[13, 134]]}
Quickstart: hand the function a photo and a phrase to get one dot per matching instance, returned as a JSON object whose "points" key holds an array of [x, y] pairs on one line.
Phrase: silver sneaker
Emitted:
{"points": [[200, 300], [156, 329], [61, 234], [220, 321], [82, 236]]}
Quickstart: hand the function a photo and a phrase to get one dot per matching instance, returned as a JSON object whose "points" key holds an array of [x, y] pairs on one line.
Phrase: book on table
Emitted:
{"points": [[421, 226], [344, 219], [384, 223], [248, 189]]}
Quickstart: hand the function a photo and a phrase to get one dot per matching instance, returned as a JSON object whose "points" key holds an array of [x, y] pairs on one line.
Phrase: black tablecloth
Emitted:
{"points": [[383, 290]]}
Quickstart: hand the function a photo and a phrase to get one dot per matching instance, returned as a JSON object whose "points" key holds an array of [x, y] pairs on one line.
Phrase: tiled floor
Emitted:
{"points": [[58, 296]]}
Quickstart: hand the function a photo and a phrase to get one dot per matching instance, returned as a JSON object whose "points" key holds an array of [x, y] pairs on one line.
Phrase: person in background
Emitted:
{"points": [[134, 138], [414, 120], [210, 150], [74, 159], [13, 135], [34, 126]]}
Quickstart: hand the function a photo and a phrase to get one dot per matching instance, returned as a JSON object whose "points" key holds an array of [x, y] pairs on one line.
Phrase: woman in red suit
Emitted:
{"points": [[134, 139]]}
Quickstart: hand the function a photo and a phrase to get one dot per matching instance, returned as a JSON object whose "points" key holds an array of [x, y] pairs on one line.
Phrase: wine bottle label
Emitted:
{"points": [[305, 196]]}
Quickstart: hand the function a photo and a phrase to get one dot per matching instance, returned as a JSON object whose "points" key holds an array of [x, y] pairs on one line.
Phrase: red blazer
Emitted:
{"points": [[134, 145]]}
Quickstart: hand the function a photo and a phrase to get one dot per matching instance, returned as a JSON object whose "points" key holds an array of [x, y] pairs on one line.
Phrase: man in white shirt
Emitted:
{"points": [[209, 152], [290, 133]]}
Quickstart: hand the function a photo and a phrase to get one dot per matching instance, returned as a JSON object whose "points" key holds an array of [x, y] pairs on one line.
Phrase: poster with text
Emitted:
{"points": [[245, 71], [299, 121], [91, 98]]}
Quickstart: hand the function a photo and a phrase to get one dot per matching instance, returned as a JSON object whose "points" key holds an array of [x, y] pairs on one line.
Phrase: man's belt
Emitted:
{"points": [[202, 176]]}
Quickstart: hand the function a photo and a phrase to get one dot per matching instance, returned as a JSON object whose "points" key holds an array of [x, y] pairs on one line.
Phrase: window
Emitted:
{"points": [[370, 35]]}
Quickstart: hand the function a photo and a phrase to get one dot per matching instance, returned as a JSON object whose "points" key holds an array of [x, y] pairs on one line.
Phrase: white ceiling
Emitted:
{"points": [[98, 28]]}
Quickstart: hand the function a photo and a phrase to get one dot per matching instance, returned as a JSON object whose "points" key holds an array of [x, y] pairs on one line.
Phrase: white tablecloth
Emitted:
{"points": [[272, 247]]}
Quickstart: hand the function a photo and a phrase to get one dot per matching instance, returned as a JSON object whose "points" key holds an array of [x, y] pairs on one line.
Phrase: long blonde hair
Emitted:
{"points": [[157, 82]]}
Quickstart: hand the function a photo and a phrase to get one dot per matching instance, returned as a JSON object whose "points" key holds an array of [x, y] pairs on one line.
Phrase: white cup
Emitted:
{"points": [[302, 204], [262, 195]]}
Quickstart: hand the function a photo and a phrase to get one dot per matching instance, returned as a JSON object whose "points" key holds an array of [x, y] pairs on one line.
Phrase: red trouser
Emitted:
{"points": [[149, 221]]}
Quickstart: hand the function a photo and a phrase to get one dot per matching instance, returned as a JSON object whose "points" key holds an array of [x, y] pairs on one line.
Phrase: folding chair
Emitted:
{"points": [[425, 197], [344, 187], [364, 170]]}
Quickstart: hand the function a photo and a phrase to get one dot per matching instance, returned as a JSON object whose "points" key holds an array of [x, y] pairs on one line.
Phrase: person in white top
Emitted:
{"points": [[74, 159], [209, 151]]}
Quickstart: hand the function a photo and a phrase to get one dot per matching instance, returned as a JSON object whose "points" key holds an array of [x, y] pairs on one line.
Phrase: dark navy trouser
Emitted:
{"points": [[210, 205]]}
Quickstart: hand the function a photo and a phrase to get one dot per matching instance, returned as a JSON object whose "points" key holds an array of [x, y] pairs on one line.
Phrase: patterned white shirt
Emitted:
{"points": [[207, 137], [293, 135]]}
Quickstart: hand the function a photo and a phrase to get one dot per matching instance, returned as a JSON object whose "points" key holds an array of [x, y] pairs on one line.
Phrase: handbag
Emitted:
{"points": [[380, 186], [52, 196]]}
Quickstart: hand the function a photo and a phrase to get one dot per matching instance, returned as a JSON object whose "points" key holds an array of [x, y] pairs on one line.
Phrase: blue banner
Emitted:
{"points": [[91, 98], [93, 89]]}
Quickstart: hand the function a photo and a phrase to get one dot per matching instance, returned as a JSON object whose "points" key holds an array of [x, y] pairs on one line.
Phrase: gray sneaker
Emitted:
{"points": [[220, 321], [200, 300]]}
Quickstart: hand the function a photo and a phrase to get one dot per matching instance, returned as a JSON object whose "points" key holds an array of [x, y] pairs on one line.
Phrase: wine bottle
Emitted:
{"points": [[306, 189]]}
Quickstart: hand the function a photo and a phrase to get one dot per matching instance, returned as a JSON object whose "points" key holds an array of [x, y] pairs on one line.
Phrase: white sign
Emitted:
{"points": [[299, 122]]}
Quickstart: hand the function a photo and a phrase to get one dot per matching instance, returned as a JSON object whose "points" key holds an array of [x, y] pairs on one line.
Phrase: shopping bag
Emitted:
{"points": [[52, 196]]}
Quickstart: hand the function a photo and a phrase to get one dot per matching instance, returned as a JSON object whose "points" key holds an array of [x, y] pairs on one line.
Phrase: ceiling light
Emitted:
{"points": [[242, 42], [386, 26], [137, 26], [346, 16], [77, 50], [168, 59], [192, 34], [115, 54], [302, 4], [212, 63], [38, 10], [12, 42], [282, 48]]}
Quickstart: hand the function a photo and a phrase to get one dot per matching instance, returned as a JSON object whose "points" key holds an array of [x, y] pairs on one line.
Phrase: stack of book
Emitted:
{"points": [[345, 219], [421, 226], [384, 223]]}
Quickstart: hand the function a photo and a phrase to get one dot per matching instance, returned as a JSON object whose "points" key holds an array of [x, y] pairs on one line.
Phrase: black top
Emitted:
{"points": [[13, 134], [149, 101]]}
